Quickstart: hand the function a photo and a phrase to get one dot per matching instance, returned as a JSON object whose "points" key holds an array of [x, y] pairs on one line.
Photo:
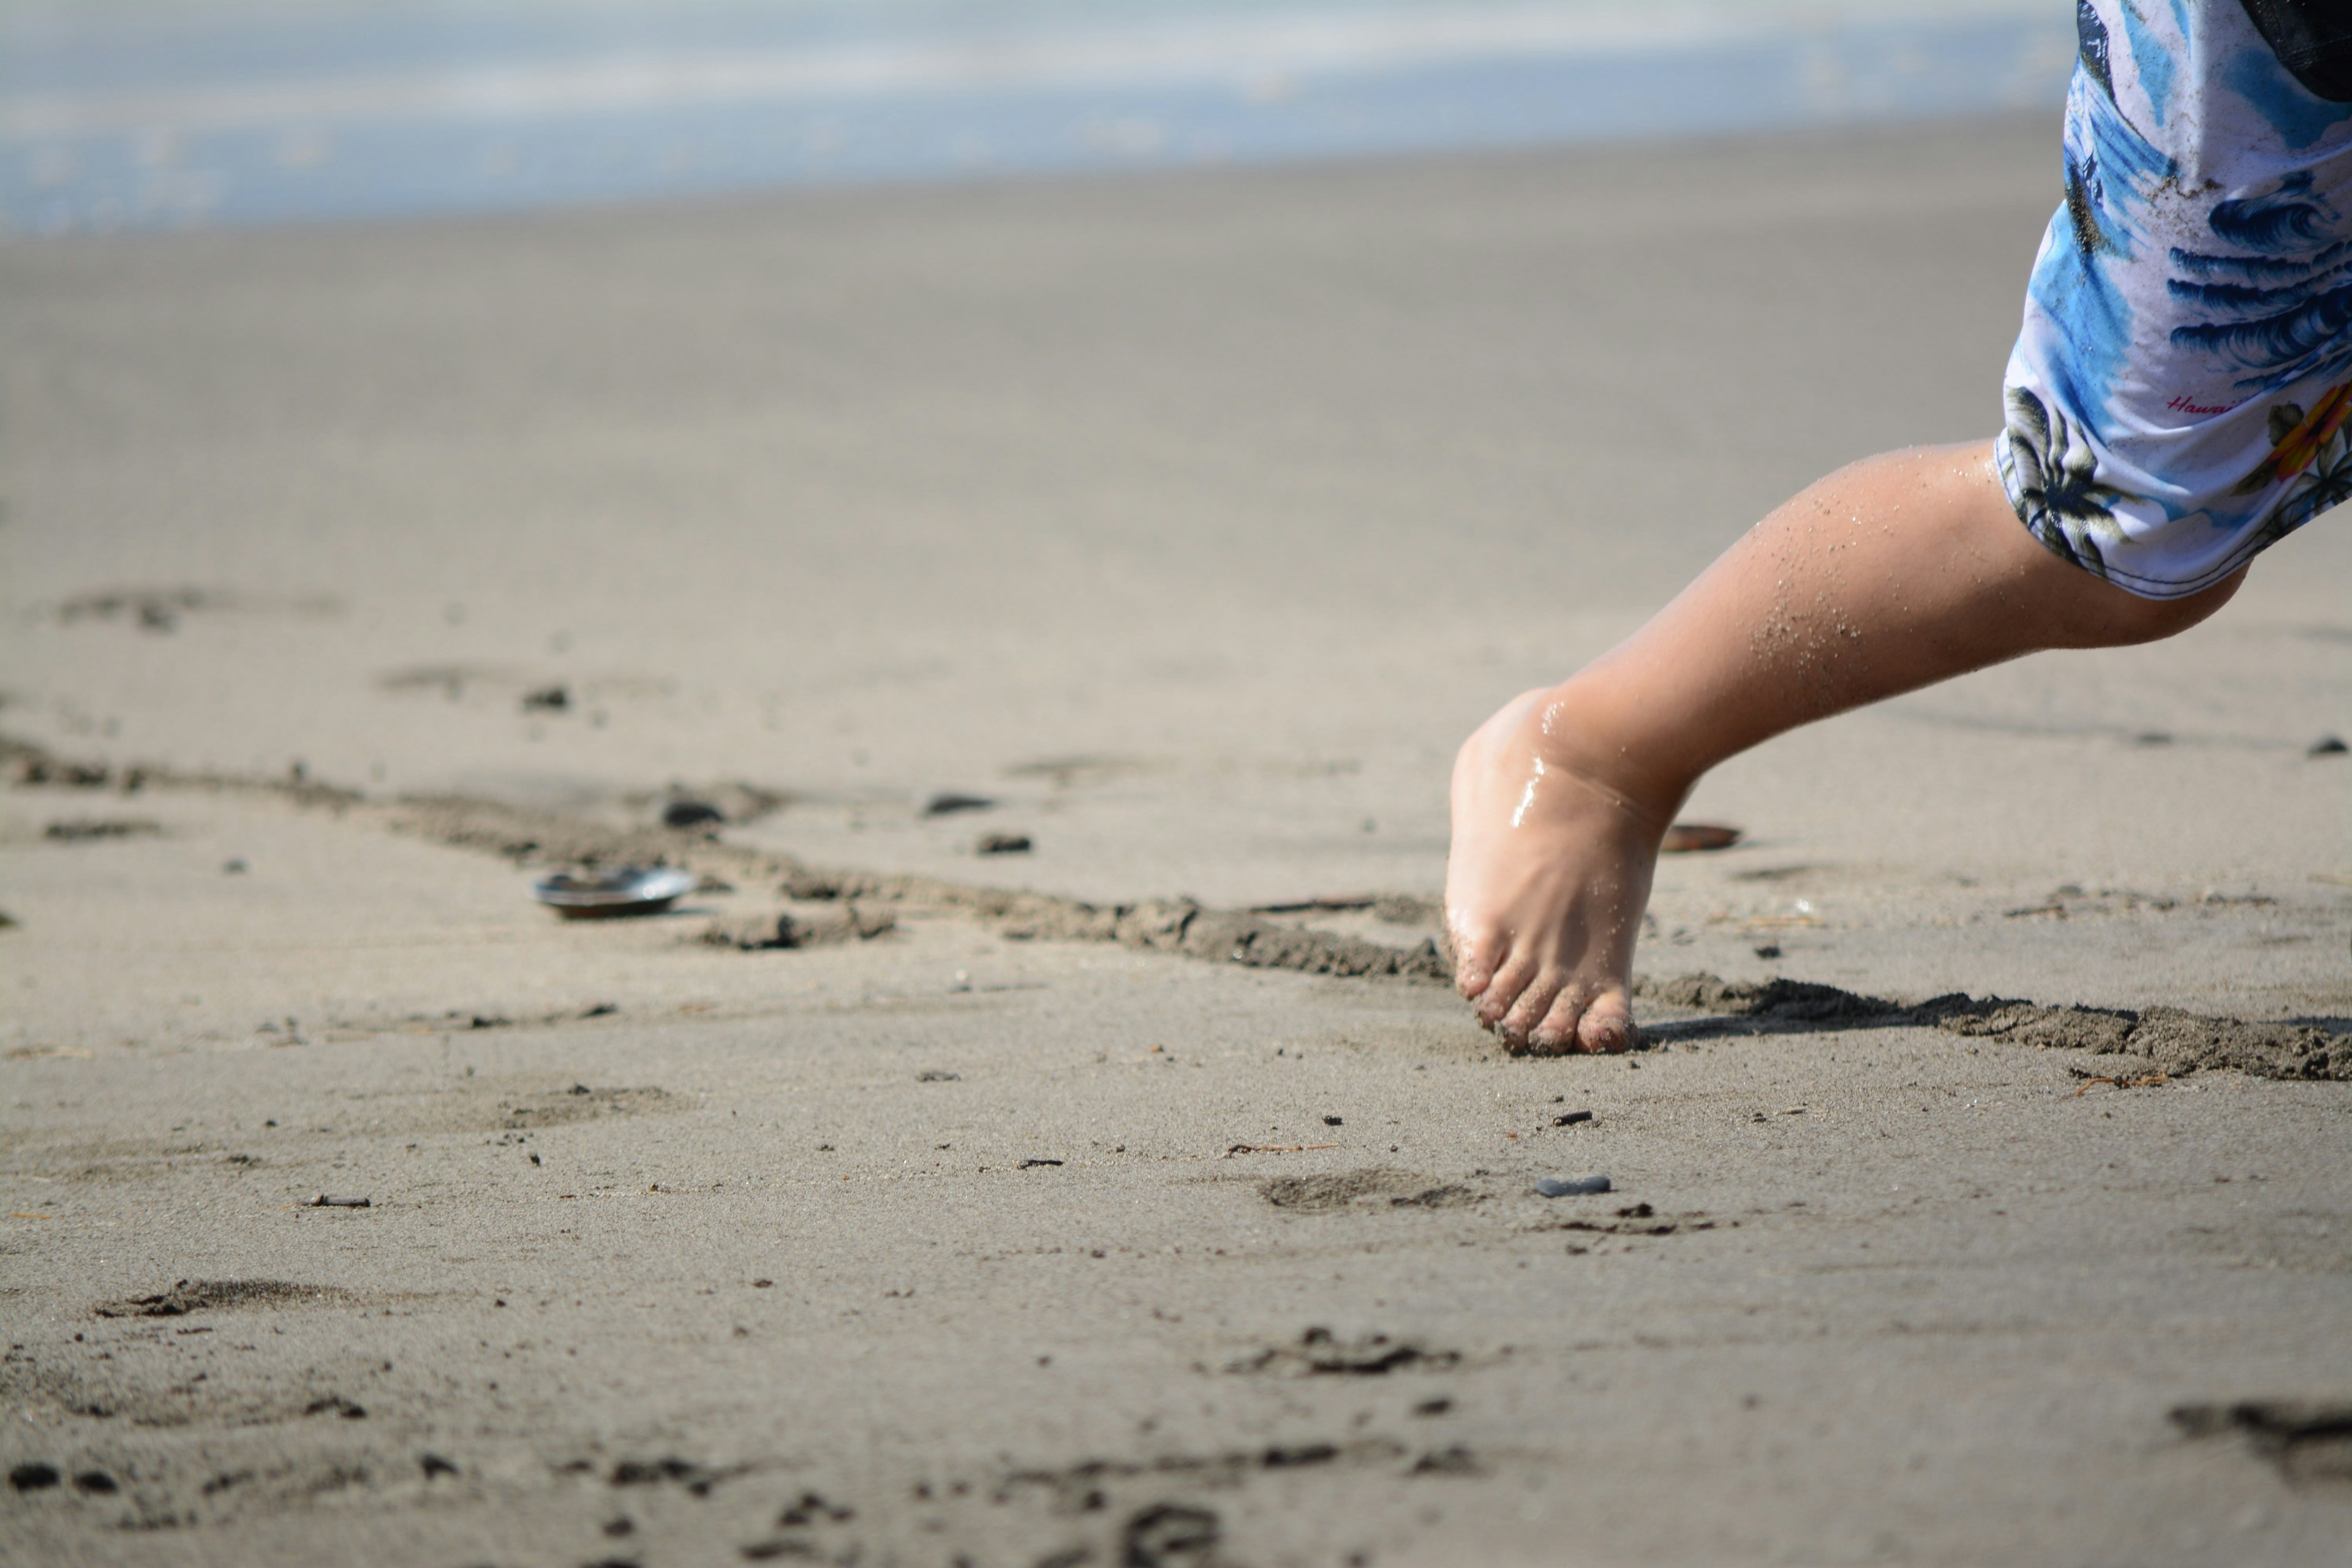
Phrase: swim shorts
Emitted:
{"points": [[2178, 399]]}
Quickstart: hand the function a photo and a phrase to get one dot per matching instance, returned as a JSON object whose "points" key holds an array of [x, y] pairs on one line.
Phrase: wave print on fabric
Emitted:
{"points": [[2280, 220], [2312, 341], [2332, 257], [2291, 319]]}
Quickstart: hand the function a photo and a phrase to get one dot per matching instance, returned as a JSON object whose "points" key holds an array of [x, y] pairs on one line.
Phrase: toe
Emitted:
{"points": [[1556, 1032], [1474, 961], [1533, 1006], [1495, 1000], [1607, 1025]]}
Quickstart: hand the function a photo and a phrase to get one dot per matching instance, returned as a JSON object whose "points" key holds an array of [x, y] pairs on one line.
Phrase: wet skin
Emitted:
{"points": [[1888, 575]]}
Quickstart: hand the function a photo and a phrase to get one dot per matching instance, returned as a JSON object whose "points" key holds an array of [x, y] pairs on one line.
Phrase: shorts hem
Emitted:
{"points": [[2087, 557]]}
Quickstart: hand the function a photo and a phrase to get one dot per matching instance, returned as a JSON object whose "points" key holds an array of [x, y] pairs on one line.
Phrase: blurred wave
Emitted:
{"points": [[170, 113]]}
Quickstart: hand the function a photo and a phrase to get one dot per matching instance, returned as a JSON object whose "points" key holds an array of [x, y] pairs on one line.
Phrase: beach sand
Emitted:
{"points": [[1191, 520]]}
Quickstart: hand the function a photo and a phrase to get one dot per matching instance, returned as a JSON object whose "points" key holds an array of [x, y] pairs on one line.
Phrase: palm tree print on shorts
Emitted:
{"points": [[2052, 476]]}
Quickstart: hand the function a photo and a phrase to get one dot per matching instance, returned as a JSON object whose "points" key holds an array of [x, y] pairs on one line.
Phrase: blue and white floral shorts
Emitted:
{"points": [[2178, 398]]}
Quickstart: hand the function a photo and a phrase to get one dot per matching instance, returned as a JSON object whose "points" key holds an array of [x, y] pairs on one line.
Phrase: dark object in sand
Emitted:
{"points": [[323, 1202], [1334, 1121], [1768, 949], [2327, 746], [936, 1075], [1002, 844], [1553, 1187], [1026, 1164], [150, 609], [1320, 1353], [948, 800], [686, 813], [39, 770], [85, 829], [590, 895], [1171, 1536], [96, 1483], [1683, 837], [1572, 1119], [1452, 1460], [2308, 1441], [32, 1478], [546, 699], [697, 1479]]}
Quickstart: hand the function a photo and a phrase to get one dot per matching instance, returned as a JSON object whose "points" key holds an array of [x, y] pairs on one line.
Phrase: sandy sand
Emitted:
{"points": [[1192, 522]]}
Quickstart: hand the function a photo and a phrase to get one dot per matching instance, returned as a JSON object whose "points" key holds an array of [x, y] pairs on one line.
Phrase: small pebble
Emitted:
{"points": [[1553, 1187], [33, 1475], [948, 800], [2327, 746]]}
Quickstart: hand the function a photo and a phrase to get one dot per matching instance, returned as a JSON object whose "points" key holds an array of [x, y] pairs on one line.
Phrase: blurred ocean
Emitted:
{"points": [[127, 114]]}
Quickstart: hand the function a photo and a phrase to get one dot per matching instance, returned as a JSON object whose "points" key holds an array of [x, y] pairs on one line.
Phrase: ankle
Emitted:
{"points": [[1591, 730]]}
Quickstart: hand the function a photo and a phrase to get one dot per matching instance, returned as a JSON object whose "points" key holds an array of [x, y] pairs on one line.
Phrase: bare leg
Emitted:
{"points": [[1886, 576]]}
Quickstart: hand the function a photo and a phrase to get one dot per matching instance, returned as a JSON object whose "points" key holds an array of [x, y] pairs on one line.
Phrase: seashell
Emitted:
{"points": [[603, 893]]}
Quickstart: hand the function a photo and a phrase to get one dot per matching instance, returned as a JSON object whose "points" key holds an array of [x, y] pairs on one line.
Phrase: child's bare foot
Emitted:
{"points": [[1546, 883], [1883, 577]]}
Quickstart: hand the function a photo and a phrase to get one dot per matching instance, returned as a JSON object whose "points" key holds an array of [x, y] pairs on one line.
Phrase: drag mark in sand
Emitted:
{"points": [[2176, 1042]]}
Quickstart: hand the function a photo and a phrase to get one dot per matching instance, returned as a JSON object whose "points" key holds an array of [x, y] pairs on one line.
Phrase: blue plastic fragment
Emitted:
{"points": [[1553, 1187]]}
